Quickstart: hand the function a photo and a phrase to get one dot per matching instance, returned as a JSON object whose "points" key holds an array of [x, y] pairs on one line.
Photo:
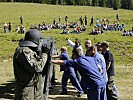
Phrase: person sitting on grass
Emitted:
{"points": [[83, 28], [65, 31], [5, 28], [79, 30]]}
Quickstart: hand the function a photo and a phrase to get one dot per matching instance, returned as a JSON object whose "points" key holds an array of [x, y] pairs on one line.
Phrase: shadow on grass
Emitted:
{"points": [[7, 90], [54, 93]]}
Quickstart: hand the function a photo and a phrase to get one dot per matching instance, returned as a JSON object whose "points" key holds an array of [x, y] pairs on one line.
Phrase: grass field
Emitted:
{"points": [[122, 47]]}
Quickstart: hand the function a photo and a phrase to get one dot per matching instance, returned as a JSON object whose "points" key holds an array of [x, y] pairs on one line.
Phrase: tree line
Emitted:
{"points": [[115, 4]]}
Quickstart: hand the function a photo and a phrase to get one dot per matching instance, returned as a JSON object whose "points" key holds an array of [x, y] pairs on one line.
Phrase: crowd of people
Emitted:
{"points": [[75, 27], [106, 25], [65, 26], [128, 32], [91, 73], [94, 69]]}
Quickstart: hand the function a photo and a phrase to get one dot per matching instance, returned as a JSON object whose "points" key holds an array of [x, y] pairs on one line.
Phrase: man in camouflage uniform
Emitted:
{"points": [[28, 66]]}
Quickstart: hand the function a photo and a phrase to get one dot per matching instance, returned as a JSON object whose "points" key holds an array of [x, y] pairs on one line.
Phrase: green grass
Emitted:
{"points": [[122, 47]]}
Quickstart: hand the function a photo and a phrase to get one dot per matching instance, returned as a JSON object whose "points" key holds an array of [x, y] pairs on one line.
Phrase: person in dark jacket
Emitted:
{"points": [[112, 93], [28, 66]]}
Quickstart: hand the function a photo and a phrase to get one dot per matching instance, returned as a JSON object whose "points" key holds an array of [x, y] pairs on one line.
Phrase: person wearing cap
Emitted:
{"points": [[28, 67], [88, 69], [112, 93], [75, 45], [68, 73]]}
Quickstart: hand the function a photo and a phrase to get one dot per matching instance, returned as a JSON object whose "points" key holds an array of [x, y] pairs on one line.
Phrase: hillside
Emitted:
{"points": [[122, 47]]}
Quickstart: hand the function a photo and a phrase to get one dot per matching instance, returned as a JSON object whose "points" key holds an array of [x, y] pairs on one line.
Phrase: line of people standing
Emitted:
{"points": [[96, 69]]}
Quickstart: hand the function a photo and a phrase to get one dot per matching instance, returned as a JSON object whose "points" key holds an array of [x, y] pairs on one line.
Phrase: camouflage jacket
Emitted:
{"points": [[27, 66]]}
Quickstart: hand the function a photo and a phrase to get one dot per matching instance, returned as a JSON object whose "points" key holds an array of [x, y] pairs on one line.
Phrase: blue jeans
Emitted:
{"points": [[70, 73]]}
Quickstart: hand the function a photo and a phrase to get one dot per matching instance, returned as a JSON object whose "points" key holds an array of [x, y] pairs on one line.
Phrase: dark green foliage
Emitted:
{"points": [[131, 4], [94, 2], [115, 4], [109, 3], [60, 2], [43, 1], [101, 3], [124, 4], [70, 2], [77, 2], [54, 2]]}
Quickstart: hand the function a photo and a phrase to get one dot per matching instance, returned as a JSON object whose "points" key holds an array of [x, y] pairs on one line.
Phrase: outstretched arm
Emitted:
{"points": [[71, 43], [58, 62], [56, 56]]}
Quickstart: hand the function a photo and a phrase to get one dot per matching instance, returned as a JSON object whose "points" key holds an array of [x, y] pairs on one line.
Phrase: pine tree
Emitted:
{"points": [[94, 2], [60, 2], [131, 4], [110, 3], [70, 2], [77, 2], [88, 2], [44, 1], [116, 4], [54, 2]]}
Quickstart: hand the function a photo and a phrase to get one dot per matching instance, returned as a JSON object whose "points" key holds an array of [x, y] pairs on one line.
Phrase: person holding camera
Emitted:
{"points": [[28, 67]]}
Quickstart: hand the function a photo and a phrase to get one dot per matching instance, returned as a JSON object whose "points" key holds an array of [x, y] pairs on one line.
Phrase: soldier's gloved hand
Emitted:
{"points": [[45, 50]]}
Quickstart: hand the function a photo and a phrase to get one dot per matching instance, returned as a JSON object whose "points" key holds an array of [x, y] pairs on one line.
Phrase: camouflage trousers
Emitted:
{"points": [[34, 92]]}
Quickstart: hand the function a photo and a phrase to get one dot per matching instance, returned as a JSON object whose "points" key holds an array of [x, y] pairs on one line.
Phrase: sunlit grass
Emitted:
{"points": [[122, 47]]}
